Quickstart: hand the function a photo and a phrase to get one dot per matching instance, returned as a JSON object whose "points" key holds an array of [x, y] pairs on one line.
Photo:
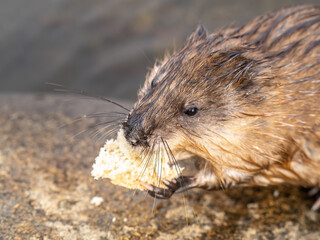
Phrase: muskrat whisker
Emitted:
{"points": [[84, 93], [94, 131], [87, 116], [165, 148], [145, 153], [148, 160], [178, 170], [145, 150], [109, 133], [117, 120], [106, 131], [173, 159], [103, 115], [155, 167], [73, 121], [84, 131], [159, 164]]}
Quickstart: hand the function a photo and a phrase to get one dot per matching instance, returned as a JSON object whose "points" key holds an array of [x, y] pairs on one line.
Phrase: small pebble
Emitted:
{"points": [[276, 193], [96, 201], [252, 205], [114, 219]]}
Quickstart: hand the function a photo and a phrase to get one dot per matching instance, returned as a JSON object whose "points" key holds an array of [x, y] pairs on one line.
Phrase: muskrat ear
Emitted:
{"points": [[199, 34]]}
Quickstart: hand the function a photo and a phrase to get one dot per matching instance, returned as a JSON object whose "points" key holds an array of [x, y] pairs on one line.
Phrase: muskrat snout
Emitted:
{"points": [[134, 132]]}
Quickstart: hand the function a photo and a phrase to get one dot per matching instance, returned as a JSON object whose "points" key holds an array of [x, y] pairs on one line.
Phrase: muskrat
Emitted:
{"points": [[246, 99]]}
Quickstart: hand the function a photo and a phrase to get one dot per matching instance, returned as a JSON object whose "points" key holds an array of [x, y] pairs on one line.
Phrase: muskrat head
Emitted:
{"points": [[190, 101], [189, 96], [204, 101], [199, 101]]}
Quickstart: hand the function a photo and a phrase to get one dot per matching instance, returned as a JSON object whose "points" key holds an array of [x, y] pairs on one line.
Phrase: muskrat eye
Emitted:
{"points": [[191, 111]]}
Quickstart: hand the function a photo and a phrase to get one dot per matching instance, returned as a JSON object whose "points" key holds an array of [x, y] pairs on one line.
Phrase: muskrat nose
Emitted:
{"points": [[134, 134]]}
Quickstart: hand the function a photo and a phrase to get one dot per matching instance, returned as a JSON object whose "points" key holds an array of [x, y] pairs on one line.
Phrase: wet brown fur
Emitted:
{"points": [[257, 88]]}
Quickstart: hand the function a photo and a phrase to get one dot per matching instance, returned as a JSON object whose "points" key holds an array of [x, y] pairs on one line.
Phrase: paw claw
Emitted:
{"points": [[315, 192], [179, 184], [147, 186], [170, 184], [316, 205], [161, 193]]}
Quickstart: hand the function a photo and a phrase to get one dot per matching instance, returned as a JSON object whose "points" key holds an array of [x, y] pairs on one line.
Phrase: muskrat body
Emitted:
{"points": [[247, 100]]}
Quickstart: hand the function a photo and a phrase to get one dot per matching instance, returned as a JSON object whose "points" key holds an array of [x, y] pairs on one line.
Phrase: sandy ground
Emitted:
{"points": [[46, 190]]}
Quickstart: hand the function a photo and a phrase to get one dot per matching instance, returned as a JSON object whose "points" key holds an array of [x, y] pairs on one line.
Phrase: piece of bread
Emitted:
{"points": [[126, 167]]}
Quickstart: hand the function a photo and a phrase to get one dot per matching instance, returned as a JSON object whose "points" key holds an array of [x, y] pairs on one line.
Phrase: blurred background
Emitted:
{"points": [[104, 46]]}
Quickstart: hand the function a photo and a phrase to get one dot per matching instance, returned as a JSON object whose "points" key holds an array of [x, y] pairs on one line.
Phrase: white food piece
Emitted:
{"points": [[126, 166]]}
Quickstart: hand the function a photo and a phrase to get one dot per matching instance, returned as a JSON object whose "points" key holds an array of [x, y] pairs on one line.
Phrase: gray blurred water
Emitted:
{"points": [[104, 47]]}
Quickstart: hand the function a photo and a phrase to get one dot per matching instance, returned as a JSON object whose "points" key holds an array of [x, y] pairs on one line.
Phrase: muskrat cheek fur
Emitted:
{"points": [[246, 99]]}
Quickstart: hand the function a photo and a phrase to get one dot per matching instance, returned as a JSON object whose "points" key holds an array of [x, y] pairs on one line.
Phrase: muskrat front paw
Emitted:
{"points": [[176, 185]]}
